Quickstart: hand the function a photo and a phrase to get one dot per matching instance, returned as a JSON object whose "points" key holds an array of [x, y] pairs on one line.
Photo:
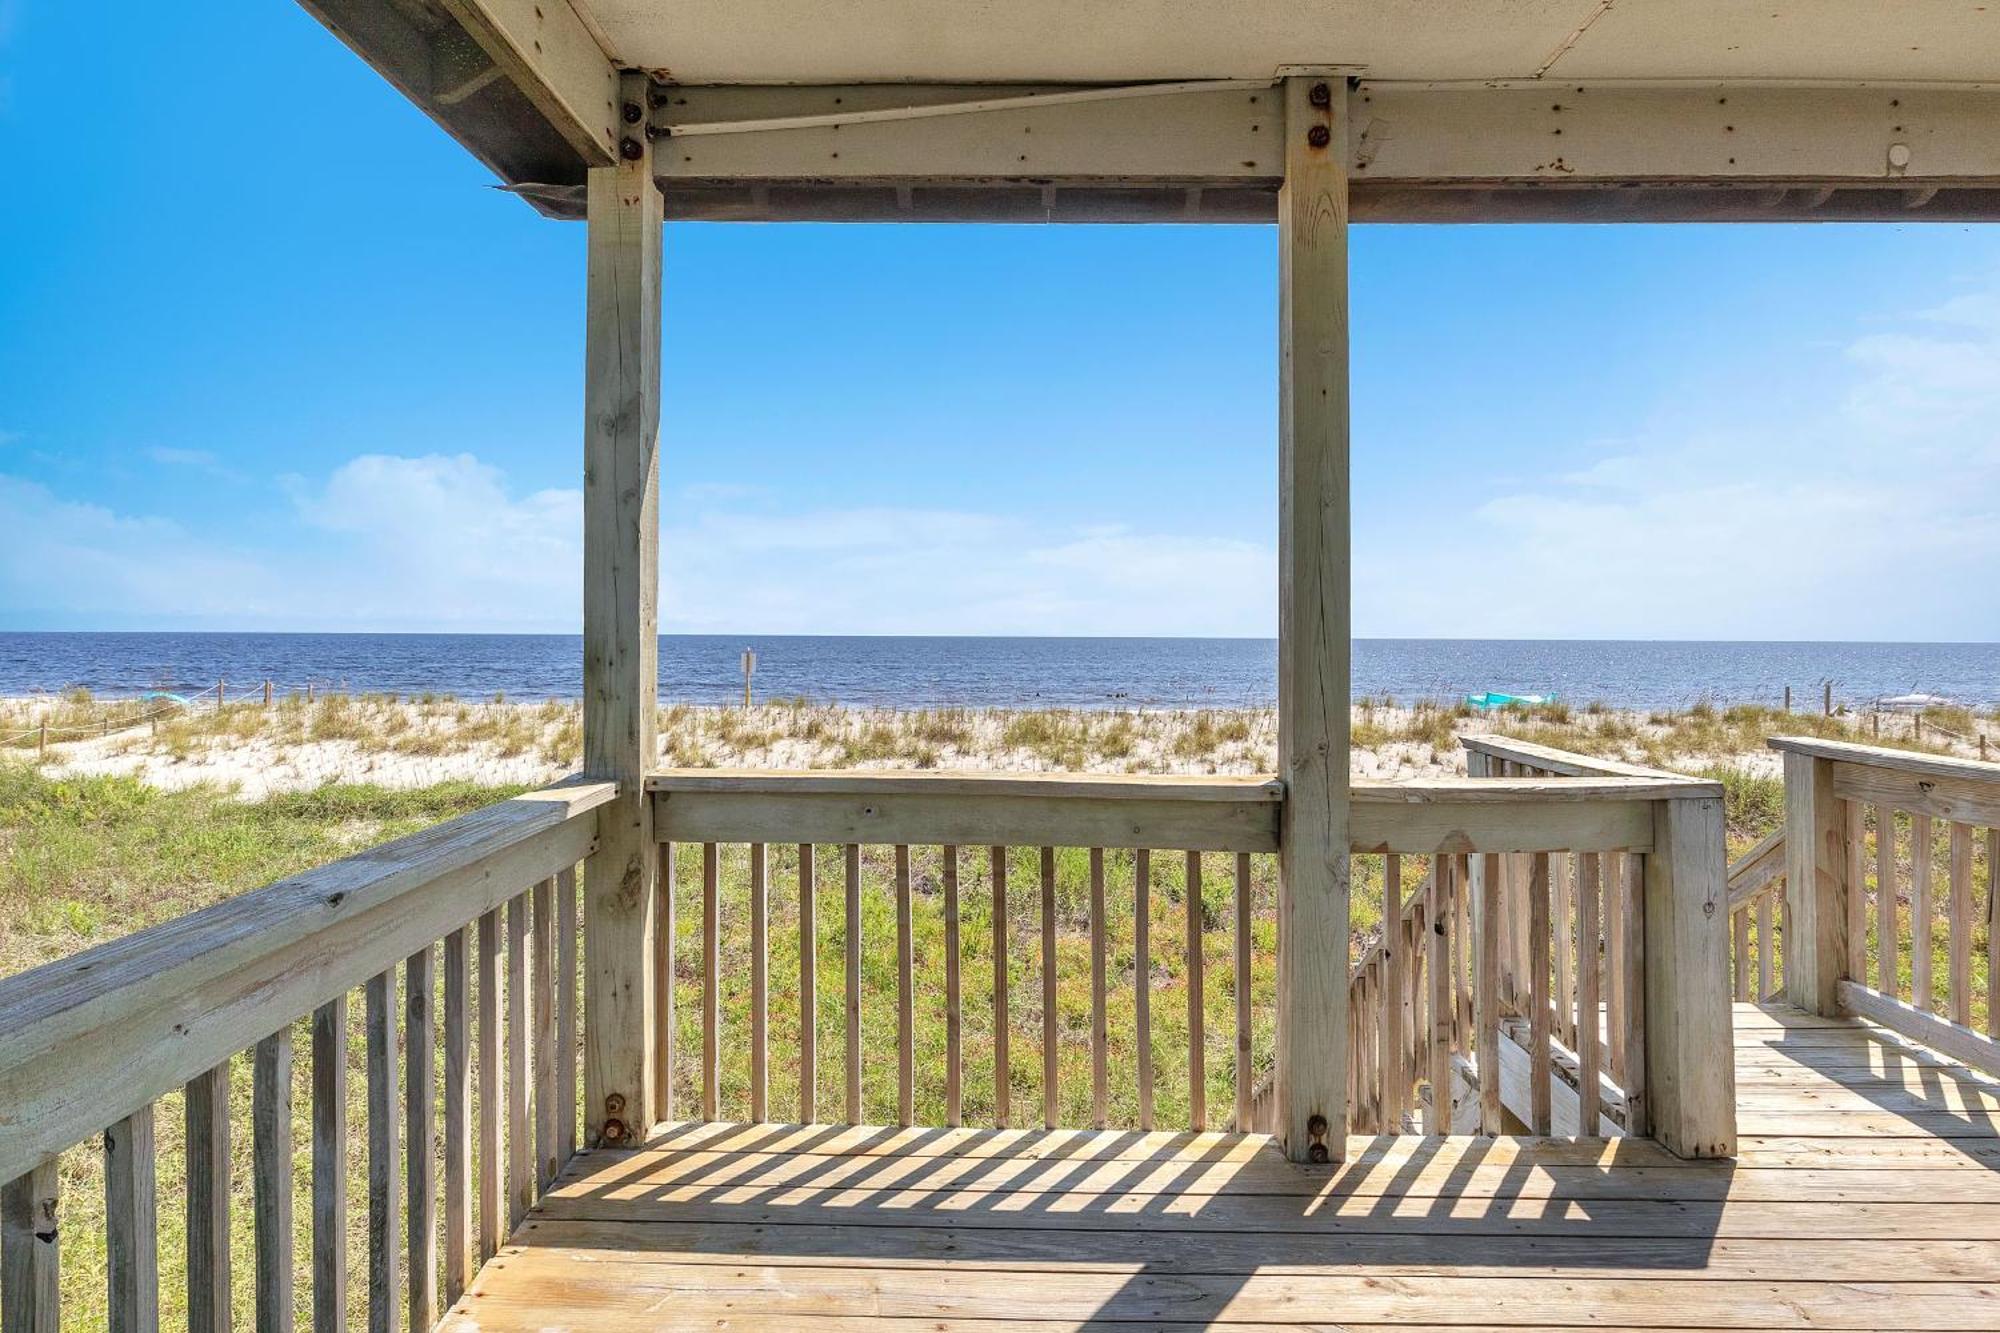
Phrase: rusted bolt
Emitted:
{"points": [[1319, 136], [1317, 1154], [614, 1131], [614, 1103], [1320, 95], [1316, 1126], [631, 149], [632, 112]]}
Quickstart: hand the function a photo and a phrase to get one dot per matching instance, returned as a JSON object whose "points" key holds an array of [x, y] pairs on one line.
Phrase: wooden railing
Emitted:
{"points": [[1759, 920], [1484, 849], [1881, 851], [89, 1044]]}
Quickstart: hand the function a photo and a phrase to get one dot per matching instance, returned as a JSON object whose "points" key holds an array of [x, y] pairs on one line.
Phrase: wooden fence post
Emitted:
{"points": [[1690, 1065], [1310, 1078], [621, 526], [1816, 885]]}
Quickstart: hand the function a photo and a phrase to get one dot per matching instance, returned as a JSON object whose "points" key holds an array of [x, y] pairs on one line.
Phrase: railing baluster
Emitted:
{"points": [[1562, 884], [1632, 1007], [30, 1253], [207, 1107], [1887, 940], [808, 987], [852, 943], [1959, 924], [1100, 1033], [1739, 931], [954, 1011], [1541, 1068], [491, 1228], [384, 1280], [564, 1038], [1445, 888], [711, 980], [1853, 820], [760, 984], [271, 1179], [420, 1116], [1764, 951], [520, 1158], [1002, 1067], [1612, 865], [566, 983], [1197, 1025], [906, 1027], [1993, 932], [1589, 1108], [1923, 991], [1462, 952], [329, 1166], [458, 1266], [1142, 979], [1245, 1081], [131, 1225], [1395, 964], [1487, 928], [1049, 1052]]}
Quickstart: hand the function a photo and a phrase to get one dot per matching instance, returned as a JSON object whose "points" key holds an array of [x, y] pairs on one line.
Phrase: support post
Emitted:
{"points": [[1313, 624], [1690, 1069], [620, 633], [1816, 885]]}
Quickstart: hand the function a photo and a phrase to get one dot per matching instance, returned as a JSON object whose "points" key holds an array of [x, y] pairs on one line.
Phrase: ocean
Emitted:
{"points": [[1000, 672]]}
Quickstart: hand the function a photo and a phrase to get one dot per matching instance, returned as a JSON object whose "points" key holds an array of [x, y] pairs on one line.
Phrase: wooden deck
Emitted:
{"points": [[1867, 1195]]}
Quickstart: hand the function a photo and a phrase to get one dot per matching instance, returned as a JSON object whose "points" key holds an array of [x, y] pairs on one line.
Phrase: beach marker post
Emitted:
{"points": [[218, 697], [749, 666], [1788, 698], [267, 691], [1826, 698]]}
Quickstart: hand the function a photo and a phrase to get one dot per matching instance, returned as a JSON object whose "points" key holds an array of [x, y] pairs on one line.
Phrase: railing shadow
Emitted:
{"points": [[1142, 1226]]}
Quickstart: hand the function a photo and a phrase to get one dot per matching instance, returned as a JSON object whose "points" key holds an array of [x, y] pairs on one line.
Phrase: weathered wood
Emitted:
{"points": [[1240, 979], [1815, 885], [1756, 868], [1445, 886], [808, 986], [1888, 933], [760, 984], [1635, 1003], [711, 980], [1922, 916], [1196, 1013], [31, 1252], [1855, 877], [131, 1225], [1690, 1094], [1003, 1073], [954, 1004], [567, 979], [1100, 1027], [852, 942], [1050, 1099], [1142, 980], [621, 566], [458, 1246], [1740, 932], [1540, 1068], [1589, 888], [1948, 1038], [492, 1111], [329, 1167], [89, 1038], [1959, 923], [207, 1112], [420, 1133], [906, 989], [1766, 950], [520, 1146], [1967, 798], [1486, 930], [1993, 932], [385, 1278], [665, 1033], [1388, 1040], [271, 1180]]}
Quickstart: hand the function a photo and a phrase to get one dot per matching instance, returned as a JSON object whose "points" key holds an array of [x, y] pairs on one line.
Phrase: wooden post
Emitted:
{"points": [[1826, 699], [1690, 1075], [621, 526], [218, 695], [1788, 698], [267, 692], [749, 666], [1816, 885], [1310, 1082], [42, 744]]}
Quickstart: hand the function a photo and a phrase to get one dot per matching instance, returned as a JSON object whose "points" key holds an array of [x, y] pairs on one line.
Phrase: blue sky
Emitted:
{"points": [[274, 355]]}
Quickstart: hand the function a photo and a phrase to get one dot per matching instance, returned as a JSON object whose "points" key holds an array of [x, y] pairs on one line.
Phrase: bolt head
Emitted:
{"points": [[1319, 136], [614, 1131], [1316, 1126], [614, 1103], [631, 149], [1320, 95], [632, 112], [1318, 1154]]}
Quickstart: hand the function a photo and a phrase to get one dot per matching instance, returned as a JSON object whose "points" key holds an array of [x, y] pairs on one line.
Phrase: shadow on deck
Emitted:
{"points": [[1865, 1196]]}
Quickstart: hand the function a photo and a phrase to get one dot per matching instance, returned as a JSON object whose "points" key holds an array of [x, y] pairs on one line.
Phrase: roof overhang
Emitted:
{"points": [[1163, 110]]}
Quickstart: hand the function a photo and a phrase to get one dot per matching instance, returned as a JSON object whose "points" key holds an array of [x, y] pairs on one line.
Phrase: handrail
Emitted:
{"points": [[1754, 871], [1882, 756], [1565, 763], [88, 1040]]}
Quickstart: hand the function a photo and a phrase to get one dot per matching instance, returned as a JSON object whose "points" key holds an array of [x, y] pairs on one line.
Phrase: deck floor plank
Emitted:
{"points": [[1866, 1195]]}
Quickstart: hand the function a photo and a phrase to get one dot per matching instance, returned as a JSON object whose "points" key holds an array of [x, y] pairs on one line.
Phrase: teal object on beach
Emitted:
{"points": [[1491, 700]]}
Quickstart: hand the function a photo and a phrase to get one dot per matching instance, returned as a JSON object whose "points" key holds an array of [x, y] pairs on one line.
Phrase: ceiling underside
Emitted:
{"points": [[863, 41]]}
